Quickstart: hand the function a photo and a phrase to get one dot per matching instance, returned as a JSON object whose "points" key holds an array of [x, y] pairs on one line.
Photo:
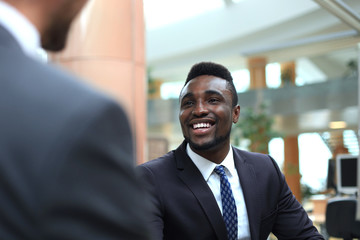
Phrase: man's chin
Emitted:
{"points": [[212, 144], [54, 46], [201, 146], [54, 39]]}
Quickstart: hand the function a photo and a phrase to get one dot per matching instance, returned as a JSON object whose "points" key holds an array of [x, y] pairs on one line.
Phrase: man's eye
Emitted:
{"points": [[213, 100], [188, 103]]}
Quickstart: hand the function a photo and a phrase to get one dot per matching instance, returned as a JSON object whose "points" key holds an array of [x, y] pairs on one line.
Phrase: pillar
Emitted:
{"points": [[291, 161], [288, 73], [106, 47], [154, 89], [257, 71], [291, 165], [337, 140]]}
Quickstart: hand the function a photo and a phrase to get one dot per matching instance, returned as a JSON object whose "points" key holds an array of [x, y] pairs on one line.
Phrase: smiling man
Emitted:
{"points": [[207, 112], [206, 189]]}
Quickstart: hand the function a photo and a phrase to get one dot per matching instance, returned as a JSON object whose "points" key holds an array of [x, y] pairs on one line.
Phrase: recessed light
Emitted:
{"points": [[337, 125]]}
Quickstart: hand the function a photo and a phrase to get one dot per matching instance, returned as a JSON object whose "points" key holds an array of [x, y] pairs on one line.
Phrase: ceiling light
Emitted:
{"points": [[337, 125]]}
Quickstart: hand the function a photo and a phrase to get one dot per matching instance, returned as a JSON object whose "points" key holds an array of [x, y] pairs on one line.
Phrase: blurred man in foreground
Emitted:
{"points": [[66, 154]]}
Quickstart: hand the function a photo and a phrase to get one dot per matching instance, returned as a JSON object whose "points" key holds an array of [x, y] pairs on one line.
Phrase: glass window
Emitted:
{"points": [[276, 151], [171, 89], [273, 73], [313, 160], [241, 79], [307, 72]]}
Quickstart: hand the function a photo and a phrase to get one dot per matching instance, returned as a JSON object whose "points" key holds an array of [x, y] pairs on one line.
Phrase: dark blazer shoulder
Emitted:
{"points": [[246, 155], [159, 162], [176, 156], [257, 161]]}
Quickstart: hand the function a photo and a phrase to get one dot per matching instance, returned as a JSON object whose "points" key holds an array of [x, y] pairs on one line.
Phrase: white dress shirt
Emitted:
{"points": [[206, 168], [21, 29]]}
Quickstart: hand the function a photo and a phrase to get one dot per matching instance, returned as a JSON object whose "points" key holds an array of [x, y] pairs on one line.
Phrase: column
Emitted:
{"points": [[291, 161], [257, 71], [291, 165], [288, 73], [106, 47], [337, 140]]}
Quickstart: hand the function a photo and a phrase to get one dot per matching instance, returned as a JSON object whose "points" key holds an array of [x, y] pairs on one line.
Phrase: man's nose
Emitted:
{"points": [[200, 109]]}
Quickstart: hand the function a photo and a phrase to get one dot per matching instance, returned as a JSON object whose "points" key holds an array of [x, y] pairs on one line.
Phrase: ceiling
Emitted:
{"points": [[230, 32]]}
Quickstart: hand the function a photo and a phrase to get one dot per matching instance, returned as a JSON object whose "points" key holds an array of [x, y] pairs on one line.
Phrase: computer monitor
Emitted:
{"points": [[346, 170], [331, 175]]}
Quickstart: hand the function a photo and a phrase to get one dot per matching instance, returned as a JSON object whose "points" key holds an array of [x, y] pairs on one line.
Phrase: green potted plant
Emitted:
{"points": [[256, 125]]}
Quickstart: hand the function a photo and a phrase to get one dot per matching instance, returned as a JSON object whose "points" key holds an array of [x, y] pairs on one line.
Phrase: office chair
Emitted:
{"points": [[340, 218]]}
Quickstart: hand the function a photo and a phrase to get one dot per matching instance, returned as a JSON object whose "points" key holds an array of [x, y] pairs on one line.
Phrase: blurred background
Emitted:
{"points": [[299, 58]]}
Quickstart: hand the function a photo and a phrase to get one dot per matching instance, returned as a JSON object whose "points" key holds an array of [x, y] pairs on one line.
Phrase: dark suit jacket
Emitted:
{"points": [[66, 156], [185, 208]]}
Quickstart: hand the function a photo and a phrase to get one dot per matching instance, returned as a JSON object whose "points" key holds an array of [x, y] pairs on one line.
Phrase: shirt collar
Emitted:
{"points": [[206, 167], [21, 29]]}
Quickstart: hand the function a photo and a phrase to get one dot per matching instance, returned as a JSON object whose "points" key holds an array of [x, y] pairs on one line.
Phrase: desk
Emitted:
{"points": [[318, 214]]}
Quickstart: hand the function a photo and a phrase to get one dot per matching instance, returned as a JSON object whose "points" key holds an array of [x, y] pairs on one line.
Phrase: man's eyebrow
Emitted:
{"points": [[189, 94], [207, 92], [212, 92]]}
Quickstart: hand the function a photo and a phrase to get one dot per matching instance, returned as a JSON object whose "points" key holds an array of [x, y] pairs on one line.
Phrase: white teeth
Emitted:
{"points": [[201, 125]]}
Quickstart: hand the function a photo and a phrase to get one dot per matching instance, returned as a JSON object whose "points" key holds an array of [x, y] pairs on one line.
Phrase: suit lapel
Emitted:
{"points": [[191, 176], [248, 183]]}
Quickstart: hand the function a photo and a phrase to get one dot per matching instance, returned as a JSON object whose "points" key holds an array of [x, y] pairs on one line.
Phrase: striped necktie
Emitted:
{"points": [[228, 204]]}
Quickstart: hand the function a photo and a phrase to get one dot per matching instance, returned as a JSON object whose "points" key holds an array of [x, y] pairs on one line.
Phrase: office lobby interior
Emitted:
{"points": [[295, 62]]}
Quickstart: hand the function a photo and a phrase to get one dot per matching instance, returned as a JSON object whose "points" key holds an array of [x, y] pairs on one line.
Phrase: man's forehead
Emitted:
{"points": [[205, 80], [208, 82]]}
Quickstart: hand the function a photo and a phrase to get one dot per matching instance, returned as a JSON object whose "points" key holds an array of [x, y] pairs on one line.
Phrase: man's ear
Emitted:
{"points": [[236, 113]]}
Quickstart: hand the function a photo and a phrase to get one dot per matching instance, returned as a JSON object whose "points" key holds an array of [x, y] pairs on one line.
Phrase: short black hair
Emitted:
{"points": [[213, 69]]}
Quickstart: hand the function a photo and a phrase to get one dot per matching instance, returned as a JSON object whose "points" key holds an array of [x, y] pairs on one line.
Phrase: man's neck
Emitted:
{"points": [[216, 154]]}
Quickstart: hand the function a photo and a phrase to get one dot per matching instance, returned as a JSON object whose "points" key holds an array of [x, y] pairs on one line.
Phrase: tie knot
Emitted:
{"points": [[220, 170]]}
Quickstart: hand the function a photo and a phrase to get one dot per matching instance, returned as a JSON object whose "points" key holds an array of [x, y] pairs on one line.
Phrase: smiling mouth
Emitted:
{"points": [[201, 125]]}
